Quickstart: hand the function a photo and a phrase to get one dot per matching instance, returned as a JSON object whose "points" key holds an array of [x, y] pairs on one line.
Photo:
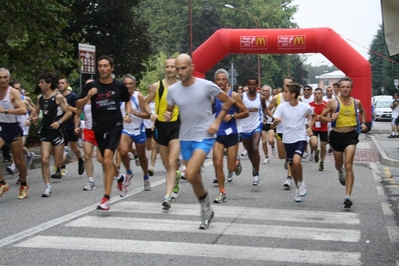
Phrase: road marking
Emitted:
{"points": [[44, 226], [195, 250], [393, 232], [242, 212], [219, 228], [386, 209]]}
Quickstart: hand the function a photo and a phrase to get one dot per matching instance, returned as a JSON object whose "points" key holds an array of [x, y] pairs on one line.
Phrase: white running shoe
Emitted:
{"points": [[256, 181], [288, 182], [305, 155], [266, 161], [89, 186], [230, 176], [29, 158], [244, 153], [274, 151], [311, 157], [297, 197], [302, 189]]}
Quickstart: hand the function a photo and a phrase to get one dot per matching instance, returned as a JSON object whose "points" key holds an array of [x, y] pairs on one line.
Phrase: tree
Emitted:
{"points": [[116, 28]]}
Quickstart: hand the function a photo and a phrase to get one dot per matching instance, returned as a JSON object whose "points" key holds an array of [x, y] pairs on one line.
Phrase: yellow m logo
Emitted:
{"points": [[299, 40], [260, 41]]}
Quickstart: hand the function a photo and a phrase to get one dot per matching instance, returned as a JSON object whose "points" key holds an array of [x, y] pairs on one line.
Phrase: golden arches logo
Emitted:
{"points": [[260, 41], [299, 40]]}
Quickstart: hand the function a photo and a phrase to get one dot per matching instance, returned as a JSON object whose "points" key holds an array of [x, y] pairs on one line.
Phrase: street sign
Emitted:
{"points": [[396, 82], [87, 58]]}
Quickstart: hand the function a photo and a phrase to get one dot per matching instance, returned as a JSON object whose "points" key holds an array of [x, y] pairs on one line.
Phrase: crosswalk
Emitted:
{"points": [[233, 222]]}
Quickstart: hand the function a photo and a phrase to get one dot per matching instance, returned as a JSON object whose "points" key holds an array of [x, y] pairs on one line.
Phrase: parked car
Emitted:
{"points": [[381, 97], [382, 110]]}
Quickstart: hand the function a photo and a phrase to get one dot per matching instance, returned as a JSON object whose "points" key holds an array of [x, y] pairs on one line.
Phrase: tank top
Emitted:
{"points": [[230, 127], [51, 110], [254, 119], [347, 115], [161, 104], [147, 122], [7, 104], [269, 119], [280, 126], [88, 116], [136, 127]]}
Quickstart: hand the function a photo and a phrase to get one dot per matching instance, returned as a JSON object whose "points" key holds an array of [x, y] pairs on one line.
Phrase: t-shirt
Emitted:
{"points": [[293, 119], [71, 99], [105, 105], [195, 108]]}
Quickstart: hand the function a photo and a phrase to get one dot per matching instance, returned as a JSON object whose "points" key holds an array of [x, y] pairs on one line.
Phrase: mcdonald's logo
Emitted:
{"points": [[260, 41], [299, 40]]}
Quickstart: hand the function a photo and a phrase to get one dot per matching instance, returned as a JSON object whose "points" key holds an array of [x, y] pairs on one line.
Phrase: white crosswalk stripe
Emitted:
{"points": [[172, 222]]}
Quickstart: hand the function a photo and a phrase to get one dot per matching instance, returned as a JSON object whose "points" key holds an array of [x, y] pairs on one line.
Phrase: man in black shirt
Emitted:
{"points": [[106, 94]]}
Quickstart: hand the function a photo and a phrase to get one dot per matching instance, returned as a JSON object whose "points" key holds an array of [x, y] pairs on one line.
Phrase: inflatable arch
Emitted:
{"points": [[289, 41]]}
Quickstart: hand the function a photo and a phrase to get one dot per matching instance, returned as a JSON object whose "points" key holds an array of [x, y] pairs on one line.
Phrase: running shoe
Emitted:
{"points": [[67, 158], [23, 192], [177, 183], [347, 203], [266, 161], [183, 174], [311, 157], [56, 175], [89, 186], [256, 181], [302, 189], [147, 186], [288, 182], [167, 203], [81, 167], [151, 171], [342, 176], [297, 198], [274, 151], [244, 153], [174, 195], [220, 198], [47, 193], [207, 214], [238, 168], [321, 166], [121, 186], [317, 156], [329, 150], [4, 188], [127, 180], [18, 181], [229, 176], [305, 155], [10, 170], [29, 158], [137, 160], [286, 165], [104, 204], [63, 171], [215, 181]]}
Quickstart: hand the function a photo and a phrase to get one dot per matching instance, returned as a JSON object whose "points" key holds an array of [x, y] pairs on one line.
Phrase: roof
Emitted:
{"points": [[332, 75]]}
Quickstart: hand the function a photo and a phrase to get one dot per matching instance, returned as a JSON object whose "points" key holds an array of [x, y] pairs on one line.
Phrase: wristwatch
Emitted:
{"points": [[232, 116]]}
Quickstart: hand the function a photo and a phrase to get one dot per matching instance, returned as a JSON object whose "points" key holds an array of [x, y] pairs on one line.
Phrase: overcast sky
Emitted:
{"points": [[357, 21]]}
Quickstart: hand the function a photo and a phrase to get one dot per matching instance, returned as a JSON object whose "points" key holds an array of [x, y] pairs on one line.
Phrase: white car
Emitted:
{"points": [[382, 110]]}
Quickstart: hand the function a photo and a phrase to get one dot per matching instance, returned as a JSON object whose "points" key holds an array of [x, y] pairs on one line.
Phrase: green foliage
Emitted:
{"points": [[384, 68]]}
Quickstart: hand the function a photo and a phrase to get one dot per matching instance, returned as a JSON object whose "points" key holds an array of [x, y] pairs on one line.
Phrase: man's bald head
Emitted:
{"points": [[184, 58]]}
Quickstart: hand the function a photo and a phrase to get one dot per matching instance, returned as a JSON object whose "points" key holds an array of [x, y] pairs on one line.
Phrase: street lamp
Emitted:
{"points": [[257, 20]]}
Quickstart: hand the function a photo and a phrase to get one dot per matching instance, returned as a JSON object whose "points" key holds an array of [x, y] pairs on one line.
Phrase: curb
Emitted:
{"points": [[384, 159]]}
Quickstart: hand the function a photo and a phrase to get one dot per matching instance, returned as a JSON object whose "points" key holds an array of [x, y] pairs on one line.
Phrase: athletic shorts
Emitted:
{"points": [[70, 136], [294, 148], [138, 139], [148, 133], [88, 135], [188, 147], [266, 127], [227, 140], [323, 135], [10, 132], [279, 136], [164, 132], [108, 140], [55, 136], [248, 135], [339, 141]]}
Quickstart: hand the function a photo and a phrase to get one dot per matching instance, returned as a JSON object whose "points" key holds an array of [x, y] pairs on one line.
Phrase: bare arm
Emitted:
{"points": [[82, 102], [20, 108], [61, 101]]}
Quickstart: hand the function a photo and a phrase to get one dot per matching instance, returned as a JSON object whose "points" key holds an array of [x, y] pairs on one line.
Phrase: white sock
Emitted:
{"points": [[91, 179]]}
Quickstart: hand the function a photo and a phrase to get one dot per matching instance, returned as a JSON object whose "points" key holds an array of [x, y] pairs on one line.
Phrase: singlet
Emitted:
{"points": [[269, 120], [88, 116], [52, 112], [136, 126], [161, 104], [280, 99], [254, 119], [230, 127], [318, 109], [347, 115], [147, 122], [7, 104]]}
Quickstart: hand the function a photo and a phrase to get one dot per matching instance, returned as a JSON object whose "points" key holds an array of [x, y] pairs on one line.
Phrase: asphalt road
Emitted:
{"points": [[256, 226]]}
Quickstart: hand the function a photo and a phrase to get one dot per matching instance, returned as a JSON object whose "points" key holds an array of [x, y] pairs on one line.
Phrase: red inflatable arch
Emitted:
{"points": [[288, 41]]}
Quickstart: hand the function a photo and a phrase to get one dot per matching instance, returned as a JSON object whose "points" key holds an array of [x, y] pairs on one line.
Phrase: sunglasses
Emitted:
{"points": [[306, 89]]}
